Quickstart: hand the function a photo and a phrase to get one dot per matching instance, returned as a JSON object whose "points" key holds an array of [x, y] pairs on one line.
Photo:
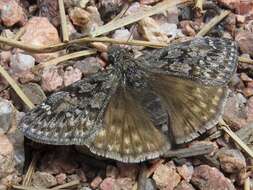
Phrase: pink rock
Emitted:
{"points": [[108, 184], [13, 179], [43, 179], [124, 183], [11, 13], [230, 23], [245, 7], [151, 30], [96, 182], [166, 177], [169, 16], [61, 178], [245, 77], [7, 162], [183, 185], [235, 112], [240, 19], [88, 65], [122, 34], [26, 77], [187, 27], [95, 17], [185, 171], [51, 80], [245, 41], [207, 178], [231, 160], [248, 92], [40, 32], [231, 4], [21, 62], [5, 57], [71, 75], [79, 16], [249, 109], [49, 9]]}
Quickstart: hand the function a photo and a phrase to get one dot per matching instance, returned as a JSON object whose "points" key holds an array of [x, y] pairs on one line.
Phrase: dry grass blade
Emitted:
{"points": [[238, 141], [134, 17], [245, 60], [22, 187], [64, 58], [56, 47], [212, 23], [199, 4], [28, 177], [17, 89], [246, 185], [67, 185], [64, 27]]}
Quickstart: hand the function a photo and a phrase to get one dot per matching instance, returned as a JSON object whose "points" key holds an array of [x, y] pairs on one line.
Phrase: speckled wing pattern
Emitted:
{"points": [[137, 108], [71, 115]]}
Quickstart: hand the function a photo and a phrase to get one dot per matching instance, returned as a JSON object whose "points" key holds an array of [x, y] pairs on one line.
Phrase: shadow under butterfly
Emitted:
{"points": [[137, 109]]}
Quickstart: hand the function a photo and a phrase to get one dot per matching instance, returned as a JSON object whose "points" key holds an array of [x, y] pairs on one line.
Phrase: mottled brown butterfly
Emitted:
{"points": [[137, 108]]}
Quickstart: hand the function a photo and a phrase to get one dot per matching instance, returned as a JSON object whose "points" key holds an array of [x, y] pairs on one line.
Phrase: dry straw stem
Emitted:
{"points": [[212, 23], [17, 89], [245, 60], [64, 27], [246, 185], [226, 128], [28, 176], [199, 4], [134, 17], [59, 46], [64, 58], [68, 185]]}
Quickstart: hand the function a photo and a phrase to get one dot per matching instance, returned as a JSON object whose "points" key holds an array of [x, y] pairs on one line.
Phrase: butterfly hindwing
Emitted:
{"points": [[211, 61], [71, 115], [193, 108], [128, 133]]}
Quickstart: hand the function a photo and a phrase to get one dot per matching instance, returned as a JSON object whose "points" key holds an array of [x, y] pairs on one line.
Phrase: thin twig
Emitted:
{"points": [[195, 150], [64, 58], [245, 60], [246, 185], [238, 141], [64, 27], [212, 23], [67, 185], [199, 4], [134, 17], [28, 176], [63, 186], [15, 86], [59, 46]]}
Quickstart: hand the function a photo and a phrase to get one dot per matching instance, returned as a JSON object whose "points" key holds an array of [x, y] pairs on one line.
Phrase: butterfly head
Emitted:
{"points": [[117, 55]]}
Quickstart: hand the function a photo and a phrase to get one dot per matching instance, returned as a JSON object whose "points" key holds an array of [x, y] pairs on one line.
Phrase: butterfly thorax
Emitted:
{"points": [[126, 67]]}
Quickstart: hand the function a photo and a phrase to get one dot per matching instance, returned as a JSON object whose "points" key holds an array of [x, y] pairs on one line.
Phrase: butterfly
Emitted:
{"points": [[138, 108]]}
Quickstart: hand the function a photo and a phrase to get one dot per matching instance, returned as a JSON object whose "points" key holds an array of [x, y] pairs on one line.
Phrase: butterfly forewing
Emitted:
{"points": [[71, 115], [211, 61]]}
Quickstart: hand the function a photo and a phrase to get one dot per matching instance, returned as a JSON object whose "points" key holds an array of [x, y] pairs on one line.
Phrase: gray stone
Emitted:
{"points": [[6, 110]]}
